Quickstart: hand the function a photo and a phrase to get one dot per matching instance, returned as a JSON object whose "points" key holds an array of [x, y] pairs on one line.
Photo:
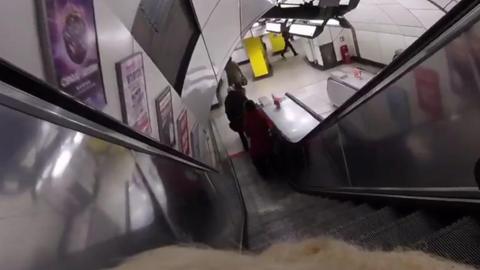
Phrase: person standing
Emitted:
{"points": [[287, 37], [234, 74], [257, 127], [234, 104]]}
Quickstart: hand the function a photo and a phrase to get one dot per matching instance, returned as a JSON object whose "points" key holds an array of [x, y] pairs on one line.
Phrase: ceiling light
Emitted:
{"points": [[303, 30], [274, 27]]}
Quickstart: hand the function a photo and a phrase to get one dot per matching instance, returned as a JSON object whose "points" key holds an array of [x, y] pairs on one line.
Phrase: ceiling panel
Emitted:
{"points": [[203, 10], [400, 15], [428, 17], [417, 4]]}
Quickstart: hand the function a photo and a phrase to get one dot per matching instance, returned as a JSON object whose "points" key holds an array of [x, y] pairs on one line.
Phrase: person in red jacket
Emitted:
{"points": [[257, 127]]}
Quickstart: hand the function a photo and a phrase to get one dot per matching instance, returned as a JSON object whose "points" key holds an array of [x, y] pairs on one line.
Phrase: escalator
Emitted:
{"points": [[393, 167], [396, 166]]}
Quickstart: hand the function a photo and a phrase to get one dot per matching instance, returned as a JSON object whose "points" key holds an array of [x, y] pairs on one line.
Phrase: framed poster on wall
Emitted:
{"points": [[183, 133], [70, 49], [133, 93], [166, 126]]}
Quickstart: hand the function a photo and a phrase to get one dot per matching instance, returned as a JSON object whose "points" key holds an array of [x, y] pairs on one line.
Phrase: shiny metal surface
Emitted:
{"points": [[420, 134], [339, 92], [291, 120], [21, 101], [72, 201]]}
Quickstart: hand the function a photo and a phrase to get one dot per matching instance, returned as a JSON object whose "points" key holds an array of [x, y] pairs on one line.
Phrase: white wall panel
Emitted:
{"points": [[251, 11], [203, 9], [450, 5], [389, 44], [200, 84], [222, 33], [409, 41], [125, 10], [114, 43], [369, 45], [335, 32], [417, 4], [324, 38], [411, 31], [428, 17], [20, 44], [400, 15], [442, 3]]}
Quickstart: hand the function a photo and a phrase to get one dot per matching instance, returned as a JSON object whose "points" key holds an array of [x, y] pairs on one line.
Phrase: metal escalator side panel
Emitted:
{"points": [[79, 202]]}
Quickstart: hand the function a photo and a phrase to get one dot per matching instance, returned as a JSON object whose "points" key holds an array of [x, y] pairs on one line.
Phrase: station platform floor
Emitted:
{"points": [[293, 75]]}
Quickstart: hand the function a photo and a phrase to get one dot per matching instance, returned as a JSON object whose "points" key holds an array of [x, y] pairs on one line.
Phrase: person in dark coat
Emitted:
{"points": [[234, 106], [257, 127], [287, 37]]}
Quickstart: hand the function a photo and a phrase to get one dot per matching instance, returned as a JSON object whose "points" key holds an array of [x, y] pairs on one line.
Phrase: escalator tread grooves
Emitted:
{"points": [[459, 242], [405, 231], [368, 223], [292, 217], [323, 222]]}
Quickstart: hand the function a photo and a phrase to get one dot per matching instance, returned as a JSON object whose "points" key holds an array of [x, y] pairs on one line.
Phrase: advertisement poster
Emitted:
{"points": [[194, 137], [428, 92], [70, 49], [133, 93], [183, 133], [166, 126]]}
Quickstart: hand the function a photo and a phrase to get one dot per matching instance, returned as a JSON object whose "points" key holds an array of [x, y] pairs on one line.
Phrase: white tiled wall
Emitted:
{"points": [[252, 10], [387, 25], [125, 10], [20, 44], [203, 10], [222, 33]]}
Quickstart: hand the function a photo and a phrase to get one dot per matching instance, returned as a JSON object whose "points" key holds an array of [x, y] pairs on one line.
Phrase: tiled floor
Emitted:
{"points": [[293, 75]]}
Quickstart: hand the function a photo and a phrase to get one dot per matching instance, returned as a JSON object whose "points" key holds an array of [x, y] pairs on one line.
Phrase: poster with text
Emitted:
{"points": [[183, 133], [166, 126], [133, 93], [194, 137], [70, 49]]}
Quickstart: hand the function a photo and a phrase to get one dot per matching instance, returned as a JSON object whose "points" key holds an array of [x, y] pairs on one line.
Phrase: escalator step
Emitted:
{"points": [[294, 217], [288, 228], [459, 242], [266, 233], [335, 220], [285, 210], [404, 232], [366, 224]]}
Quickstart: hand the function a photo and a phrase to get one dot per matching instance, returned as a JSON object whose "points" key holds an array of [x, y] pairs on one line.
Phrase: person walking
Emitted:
{"points": [[287, 37], [234, 108], [257, 127]]}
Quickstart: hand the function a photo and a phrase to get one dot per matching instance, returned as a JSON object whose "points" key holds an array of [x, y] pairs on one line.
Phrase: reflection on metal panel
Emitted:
{"points": [[422, 131], [77, 202], [200, 84]]}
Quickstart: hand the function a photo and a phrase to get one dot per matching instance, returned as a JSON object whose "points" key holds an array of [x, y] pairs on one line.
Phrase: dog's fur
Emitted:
{"points": [[314, 254]]}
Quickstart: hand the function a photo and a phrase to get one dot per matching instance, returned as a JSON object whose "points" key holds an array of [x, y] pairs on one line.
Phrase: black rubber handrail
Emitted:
{"points": [[305, 107], [29, 84], [460, 10]]}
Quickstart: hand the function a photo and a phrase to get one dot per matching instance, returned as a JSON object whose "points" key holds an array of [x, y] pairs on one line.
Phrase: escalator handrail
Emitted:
{"points": [[442, 25], [33, 86]]}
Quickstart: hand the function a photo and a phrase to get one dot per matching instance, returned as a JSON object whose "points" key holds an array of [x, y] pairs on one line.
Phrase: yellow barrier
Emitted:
{"points": [[277, 41], [257, 56]]}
